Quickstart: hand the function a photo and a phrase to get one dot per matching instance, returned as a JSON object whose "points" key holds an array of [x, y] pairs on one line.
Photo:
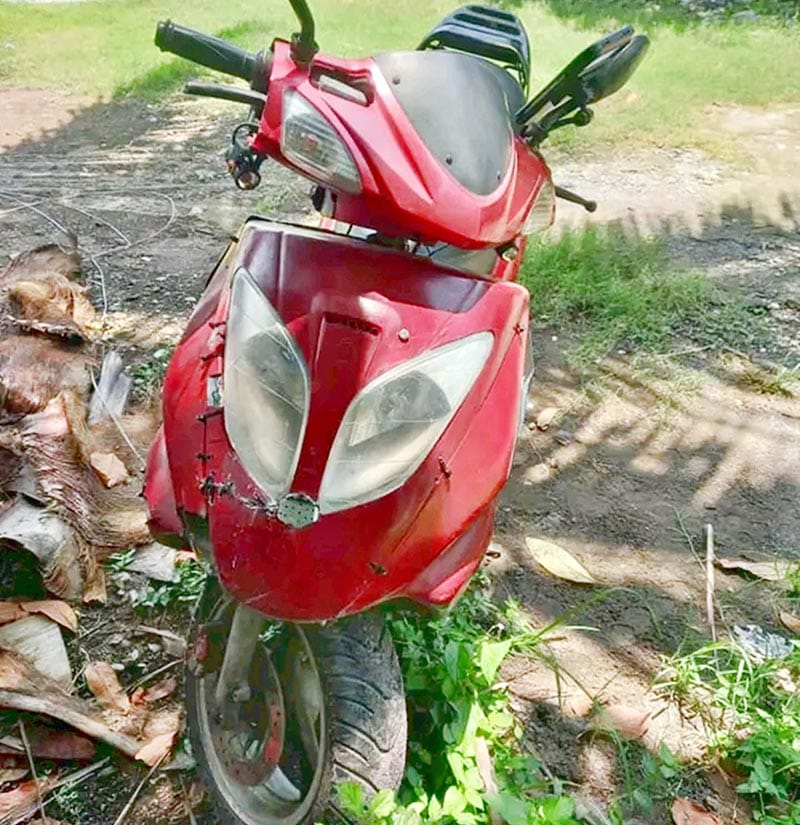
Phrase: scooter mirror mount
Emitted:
{"points": [[304, 47]]}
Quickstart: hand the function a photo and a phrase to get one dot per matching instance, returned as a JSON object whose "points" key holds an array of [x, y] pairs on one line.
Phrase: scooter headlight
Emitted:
{"points": [[392, 424], [266, 389], [310, 142]]}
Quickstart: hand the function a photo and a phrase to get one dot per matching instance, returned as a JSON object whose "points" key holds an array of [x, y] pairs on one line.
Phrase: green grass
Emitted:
{"points": [[456, 709], [106, 48], [622, 291], [751, 710]]}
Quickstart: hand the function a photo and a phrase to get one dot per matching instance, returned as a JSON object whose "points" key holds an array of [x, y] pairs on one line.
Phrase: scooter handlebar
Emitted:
{"points": [[206, 49]]}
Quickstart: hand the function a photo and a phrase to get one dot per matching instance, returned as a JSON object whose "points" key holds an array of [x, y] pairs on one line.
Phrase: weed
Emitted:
{"points": [[148, 376], [120, 562], [190, 579], [457, 711], [751, 710], [623, 292], [771, 381], [647, 780]]}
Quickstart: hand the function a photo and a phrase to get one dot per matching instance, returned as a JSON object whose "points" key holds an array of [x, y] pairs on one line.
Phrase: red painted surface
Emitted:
{"points": [[344, 301], [406, 191]]}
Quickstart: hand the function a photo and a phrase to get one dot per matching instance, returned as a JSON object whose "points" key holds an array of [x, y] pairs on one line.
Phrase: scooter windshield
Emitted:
{"points": [[463, 109]]}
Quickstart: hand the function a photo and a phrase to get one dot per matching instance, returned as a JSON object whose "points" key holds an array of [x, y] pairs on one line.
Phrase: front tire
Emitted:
{"points": [[345, 718]]}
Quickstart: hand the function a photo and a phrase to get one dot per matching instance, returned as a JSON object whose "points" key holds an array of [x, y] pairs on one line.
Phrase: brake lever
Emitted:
{"points": [[233, 93], [572, 197]]}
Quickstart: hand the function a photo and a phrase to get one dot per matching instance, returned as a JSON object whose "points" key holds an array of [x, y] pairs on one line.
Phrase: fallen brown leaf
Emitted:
{"points": [[156, 749], [10, 612], [686, 812], [109, 469], [558, 562], [160, 690], [630, 722], [22, 802], [24, 688], [48, 743], [773, 571], [58, 611], [102, 680], [137, 697], [55, 610]]}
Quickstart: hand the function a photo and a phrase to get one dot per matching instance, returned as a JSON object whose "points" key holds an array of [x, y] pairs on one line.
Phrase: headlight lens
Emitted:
{"points": [[266, 389], [392, 424], [310, 142]]}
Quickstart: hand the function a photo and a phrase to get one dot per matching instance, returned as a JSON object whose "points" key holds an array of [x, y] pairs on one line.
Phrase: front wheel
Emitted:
{"points": [[324, 706]]}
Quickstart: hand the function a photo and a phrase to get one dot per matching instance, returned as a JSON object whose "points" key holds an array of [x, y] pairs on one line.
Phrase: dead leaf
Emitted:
{"points": [[157, 749], [55, 610], [39, 641], [25, 689], [10, 612], [109, 469], [57, 745], [485, 768], [545, 417], [12, 774], [630, 722], [137, 697], [23, 801], [102, 680], [686, 812], [772, 571], [790, 622], [558, 562], [160, 690]]}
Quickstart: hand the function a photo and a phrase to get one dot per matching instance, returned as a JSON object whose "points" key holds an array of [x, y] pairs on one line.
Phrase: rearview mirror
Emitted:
{"points": [[611, 72]]}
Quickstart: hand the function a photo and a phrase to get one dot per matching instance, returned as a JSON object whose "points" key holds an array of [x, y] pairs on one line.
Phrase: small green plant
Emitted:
{"points": [[465, 759], [149, 375], [751, 709], [647, 780], [190, 578], [120, 562]]}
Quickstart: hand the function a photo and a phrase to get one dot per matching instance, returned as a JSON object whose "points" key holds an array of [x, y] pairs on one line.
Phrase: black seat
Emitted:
{"points": [[462, 107]]}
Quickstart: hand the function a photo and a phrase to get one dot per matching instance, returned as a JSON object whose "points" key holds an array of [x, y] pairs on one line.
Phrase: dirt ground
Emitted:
{"points": [[636, 463]]}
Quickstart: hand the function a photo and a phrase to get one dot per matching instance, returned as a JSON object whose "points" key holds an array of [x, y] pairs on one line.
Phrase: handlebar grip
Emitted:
{"points": [[206, 49]]}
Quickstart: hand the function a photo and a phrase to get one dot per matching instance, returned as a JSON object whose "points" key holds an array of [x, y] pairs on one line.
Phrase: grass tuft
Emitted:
{"points": [[623, 292], [751, 710]]}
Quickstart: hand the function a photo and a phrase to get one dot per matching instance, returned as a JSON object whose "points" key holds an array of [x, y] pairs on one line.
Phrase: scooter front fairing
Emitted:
{"points": [[356, 312]]}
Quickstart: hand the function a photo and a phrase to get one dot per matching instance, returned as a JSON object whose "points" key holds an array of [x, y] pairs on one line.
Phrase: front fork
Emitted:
{"points": [[233, 685], [249, 719]]}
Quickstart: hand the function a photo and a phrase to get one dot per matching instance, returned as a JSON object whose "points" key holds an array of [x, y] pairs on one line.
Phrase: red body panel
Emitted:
{"points": [[345, 301], [356, 310], [406, 191]]}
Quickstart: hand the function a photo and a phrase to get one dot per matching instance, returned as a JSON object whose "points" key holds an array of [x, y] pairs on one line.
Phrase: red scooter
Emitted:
{"points": [[341, 412]]}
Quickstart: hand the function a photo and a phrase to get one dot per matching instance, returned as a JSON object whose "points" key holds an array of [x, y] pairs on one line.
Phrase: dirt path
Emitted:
{"points": [[636, 463]]}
